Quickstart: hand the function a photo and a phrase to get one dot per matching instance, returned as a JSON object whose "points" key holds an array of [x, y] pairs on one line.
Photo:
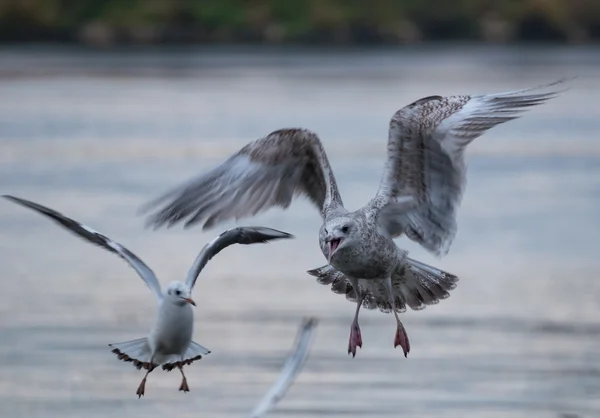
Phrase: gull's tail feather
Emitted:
{"points": [[194, 352], [414, 284], [424, 284], [136, 351]]}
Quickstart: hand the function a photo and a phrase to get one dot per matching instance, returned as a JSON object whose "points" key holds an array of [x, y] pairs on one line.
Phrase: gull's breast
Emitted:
{"points": [[173, 331], [373, 258]]}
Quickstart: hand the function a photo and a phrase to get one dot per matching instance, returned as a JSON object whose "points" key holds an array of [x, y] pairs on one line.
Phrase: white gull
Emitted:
{"points": [[169, 343]]}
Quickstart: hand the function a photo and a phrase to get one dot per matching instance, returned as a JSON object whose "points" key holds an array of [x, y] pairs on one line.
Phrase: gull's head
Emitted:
{"points": [[179, 293], [337, 234]]}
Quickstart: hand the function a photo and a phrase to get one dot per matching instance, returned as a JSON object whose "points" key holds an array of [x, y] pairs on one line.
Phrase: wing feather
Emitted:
{"points": [[268, 172], [240, 235], [426, 145], [96, 238]]}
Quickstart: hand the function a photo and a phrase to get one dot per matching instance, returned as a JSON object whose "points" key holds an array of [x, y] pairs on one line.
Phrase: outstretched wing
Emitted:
{"points": [[267, 172], [97, 238], [240, 235], [414, 284], [426, 145], [290, 370]]}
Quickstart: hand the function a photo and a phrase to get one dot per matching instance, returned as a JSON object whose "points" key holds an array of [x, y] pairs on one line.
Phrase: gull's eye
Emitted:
{"points": [[178, 292], [345, 229]]}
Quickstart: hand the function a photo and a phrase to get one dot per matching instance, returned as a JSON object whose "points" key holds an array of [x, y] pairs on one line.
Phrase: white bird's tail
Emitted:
{"points": [[194, 352], [138, 352]]}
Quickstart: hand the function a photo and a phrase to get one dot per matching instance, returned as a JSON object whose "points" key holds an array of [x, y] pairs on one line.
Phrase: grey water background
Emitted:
{"points": [[95, 134]]}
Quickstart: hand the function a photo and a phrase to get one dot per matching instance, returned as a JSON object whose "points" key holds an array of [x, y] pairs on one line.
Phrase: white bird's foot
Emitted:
{"points": [[355, 339], [141, 388], [184, 386], [401, 339]]}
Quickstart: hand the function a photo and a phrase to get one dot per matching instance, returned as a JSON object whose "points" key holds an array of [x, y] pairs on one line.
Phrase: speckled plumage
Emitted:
{"points": [[420, 190]]}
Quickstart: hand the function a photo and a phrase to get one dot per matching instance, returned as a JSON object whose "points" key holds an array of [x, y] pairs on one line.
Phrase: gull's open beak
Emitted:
{"points": [[333, 245], [190, 301]]}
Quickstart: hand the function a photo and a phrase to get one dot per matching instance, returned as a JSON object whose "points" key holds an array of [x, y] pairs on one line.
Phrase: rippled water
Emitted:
{"points": [[96, 134]]}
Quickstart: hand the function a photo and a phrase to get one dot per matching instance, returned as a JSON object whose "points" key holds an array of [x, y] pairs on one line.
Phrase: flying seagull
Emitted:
{"points": [[290, 370], [169, 343], [419, 193]]}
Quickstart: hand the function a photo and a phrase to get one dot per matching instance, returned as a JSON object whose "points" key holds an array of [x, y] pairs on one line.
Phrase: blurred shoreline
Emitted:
{"points": [[181, 60], [325, 22]]}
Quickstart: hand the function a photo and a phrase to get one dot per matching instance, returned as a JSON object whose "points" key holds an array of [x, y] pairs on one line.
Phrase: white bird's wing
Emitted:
{"points": [[97, 238], [292, 367], [267, 172], [240, 235], [426, 145]]}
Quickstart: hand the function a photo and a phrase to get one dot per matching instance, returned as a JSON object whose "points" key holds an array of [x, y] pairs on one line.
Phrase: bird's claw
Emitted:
{"points": [[184, 386], [401, 339], [355, 340], [141, 388]]}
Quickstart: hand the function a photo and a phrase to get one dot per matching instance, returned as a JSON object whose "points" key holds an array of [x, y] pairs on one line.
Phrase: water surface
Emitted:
{"points": [[96, 134]]}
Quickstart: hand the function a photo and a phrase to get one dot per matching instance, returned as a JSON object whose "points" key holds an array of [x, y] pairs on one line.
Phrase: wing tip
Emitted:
{"points": [[145, 208], [12, 198], [152, 223], [309, 322], [550, 94], [313, 272], [269, 233], [563, 81], [29, 204]]}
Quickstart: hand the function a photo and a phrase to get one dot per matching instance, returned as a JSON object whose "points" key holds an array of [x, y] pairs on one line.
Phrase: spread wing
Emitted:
{"points": [[414, 284], [97, 238], [426, 145], [240, 235], [290, 370], [268, 172]]}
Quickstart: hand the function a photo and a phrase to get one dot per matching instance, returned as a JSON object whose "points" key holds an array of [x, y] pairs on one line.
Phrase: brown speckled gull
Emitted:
{"points": [[420, 190]]}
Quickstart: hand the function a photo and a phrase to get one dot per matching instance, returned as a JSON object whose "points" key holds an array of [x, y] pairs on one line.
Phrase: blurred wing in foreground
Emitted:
{"points": [[292, 367]]}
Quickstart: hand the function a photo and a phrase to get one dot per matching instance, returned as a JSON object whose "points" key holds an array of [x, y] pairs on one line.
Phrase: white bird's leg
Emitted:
{"points": [[184, 386], [401, 338], [355, 337], [142, 387]]}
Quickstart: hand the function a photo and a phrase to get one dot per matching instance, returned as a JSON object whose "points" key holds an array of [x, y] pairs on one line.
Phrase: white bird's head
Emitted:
{"points": [[179, 293], [337, 234]]}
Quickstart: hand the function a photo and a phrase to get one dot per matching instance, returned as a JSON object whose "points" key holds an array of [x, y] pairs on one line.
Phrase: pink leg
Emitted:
{"points": [[355, 337], [401, 338]]}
